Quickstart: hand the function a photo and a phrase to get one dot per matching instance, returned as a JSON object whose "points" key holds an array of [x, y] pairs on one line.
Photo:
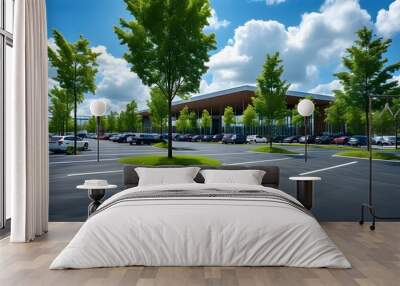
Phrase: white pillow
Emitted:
{"points": [[248, 177], [166, 176]]}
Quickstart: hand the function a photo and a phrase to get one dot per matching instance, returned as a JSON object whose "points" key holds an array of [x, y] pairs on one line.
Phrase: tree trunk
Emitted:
{"points": [[367, 123], [169, 128], [270, 135]]}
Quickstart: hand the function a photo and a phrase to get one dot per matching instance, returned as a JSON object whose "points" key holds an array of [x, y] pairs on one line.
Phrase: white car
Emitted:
{"points": [[58, 144], [256, 139]]}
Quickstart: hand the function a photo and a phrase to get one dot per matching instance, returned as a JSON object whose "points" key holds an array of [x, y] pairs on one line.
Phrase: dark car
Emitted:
{"points": [[207, 138], [291, 139], [217, 137], [324, 139], [358, 140], [145, 139], [196, 138], [310, 139], [123, 137], [115, 137], [234, 139], [185, 138], [278, 138], [341, 140]]}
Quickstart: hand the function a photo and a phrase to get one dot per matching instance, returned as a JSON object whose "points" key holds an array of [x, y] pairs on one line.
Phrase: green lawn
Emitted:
{"points": [[155, 160], [365, 154], [276, 150], [163, 145]]}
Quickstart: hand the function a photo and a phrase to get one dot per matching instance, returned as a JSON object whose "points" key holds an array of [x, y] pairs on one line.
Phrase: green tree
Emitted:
{"points": [[206, 120], [182, 123], [367, 72], [167, 46], [192, 122], [75, 64], [269, 100], [336, 112], [112, 121], [121, 122], [229, 117], [60, 110], [91, 124], [158, 106], [250, 117], [131, 117], [382, 122], [355, 120]]}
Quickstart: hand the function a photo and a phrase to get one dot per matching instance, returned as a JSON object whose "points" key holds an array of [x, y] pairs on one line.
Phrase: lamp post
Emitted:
{"points": [[305, 109], [98, 108]]}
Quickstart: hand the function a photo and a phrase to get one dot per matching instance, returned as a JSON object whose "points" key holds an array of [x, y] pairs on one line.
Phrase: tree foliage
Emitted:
{"points": [[206, 120], [158, 106], [367, 73], [229, 117], [167, 46], [250, 116], [269, 100], [182, 123], [60, 108]]}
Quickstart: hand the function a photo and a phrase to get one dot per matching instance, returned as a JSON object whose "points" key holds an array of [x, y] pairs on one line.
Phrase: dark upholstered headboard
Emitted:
{"points": [[271, 178]]}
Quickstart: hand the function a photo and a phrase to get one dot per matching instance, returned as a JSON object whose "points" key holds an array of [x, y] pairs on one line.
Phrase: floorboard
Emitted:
{"points": [[375, 257]]}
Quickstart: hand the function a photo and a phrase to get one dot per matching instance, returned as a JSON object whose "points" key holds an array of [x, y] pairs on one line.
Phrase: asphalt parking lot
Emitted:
{"points": [[337, 197]]}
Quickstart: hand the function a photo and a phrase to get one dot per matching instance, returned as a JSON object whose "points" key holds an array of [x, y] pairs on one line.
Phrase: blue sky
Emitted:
{"points": [[311, 36]]}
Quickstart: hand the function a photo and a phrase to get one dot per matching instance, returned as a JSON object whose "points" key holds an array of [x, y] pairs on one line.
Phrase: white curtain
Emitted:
{"points": [[26, 119]]}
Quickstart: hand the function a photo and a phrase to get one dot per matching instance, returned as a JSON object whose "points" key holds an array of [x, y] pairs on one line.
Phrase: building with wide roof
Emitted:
{"points": [[239, 98]]}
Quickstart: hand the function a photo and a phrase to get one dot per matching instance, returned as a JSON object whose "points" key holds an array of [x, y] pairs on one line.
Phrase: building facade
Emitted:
{"points": [[239, 98]]}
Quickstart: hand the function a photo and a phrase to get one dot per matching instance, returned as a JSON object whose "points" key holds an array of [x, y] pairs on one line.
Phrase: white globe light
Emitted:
{"points": [[98, 107], [305, 107]]}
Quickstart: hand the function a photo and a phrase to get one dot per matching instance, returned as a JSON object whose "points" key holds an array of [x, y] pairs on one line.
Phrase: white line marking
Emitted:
{"points": [[251, 162], [329, 168], [393, 161], [94, 173], [82, 161]]}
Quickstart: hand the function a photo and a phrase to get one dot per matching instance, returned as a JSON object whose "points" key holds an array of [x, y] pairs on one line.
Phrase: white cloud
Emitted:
{"points": [[116, 83], [273, 2], [388, 21], [320, 39], [327, 88], [214, 23]]}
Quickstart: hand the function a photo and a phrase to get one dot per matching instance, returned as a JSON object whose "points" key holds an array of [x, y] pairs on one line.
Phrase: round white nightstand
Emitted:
{"points": [[305, 187], [95, 193]]}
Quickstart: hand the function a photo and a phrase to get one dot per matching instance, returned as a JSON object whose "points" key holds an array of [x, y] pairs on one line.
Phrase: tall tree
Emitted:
{"points": [[158, 106], [121, 126], [269, 100], [206, 120], [75, 64], [112, 121], [132, 120], [192, 122], [250, 116], [229, 117], [167, 46], [336, 112], [60, 110], [182, 123], [91, 124], [367, 72]]}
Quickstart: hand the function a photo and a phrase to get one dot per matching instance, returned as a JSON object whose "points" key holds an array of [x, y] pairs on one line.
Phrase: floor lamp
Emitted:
{"points": [[305, 108], [98, 109], [369, 206]]}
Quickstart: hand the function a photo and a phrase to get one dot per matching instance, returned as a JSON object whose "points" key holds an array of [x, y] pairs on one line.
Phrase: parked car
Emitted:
{"points": [[310, 139], [217, 137], [145, 139], [256, 139], [234, 139], [291, 139], [196, 138], [324, 139], [341, 140], [114, 138], [384, 140], [207, 138], [60, 144], [123, 137], [278, 138], [358, 140], [185, 138]]}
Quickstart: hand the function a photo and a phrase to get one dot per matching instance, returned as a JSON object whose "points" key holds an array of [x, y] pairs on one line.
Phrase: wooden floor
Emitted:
{"points": [[375, 257]]}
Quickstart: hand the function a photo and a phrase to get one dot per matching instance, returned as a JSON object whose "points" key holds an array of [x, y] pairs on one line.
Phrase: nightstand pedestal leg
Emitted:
{"points": [[95, 196], [305, 193]]}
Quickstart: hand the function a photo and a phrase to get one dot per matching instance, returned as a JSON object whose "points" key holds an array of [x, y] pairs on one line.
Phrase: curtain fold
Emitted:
{"points": [[27, 132]]}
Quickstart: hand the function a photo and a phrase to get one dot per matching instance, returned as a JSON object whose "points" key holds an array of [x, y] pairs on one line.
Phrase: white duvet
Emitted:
{"points": [[202, 232]]}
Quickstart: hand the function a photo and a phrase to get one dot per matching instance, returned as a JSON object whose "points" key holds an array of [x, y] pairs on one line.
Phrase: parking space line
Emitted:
{"points": [[94, 173], [260, 161], [328, 168], [383, 160]]}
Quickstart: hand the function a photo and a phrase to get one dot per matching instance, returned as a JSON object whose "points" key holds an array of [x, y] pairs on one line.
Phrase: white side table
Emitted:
{"points": [[305, 187], [95, 194]]}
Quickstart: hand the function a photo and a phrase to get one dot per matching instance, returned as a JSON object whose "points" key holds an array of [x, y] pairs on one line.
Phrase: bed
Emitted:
{"points": [[198, 224]]}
